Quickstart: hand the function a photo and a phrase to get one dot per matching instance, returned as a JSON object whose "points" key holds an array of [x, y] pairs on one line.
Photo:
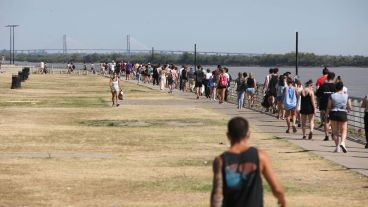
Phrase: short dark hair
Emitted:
{"points": [[325, 71], [275, 70], [270, 70], [339, 86], [245, 74], [331, 76], [227, 69], [238, 128]]}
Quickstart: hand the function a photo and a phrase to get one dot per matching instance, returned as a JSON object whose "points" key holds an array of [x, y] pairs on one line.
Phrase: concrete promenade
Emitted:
{"points": [[356, 159]]}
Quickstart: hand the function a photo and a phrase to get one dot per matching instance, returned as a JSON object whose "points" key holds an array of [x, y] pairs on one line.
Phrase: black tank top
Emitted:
{"points": [[242, 183], [250, 83]]}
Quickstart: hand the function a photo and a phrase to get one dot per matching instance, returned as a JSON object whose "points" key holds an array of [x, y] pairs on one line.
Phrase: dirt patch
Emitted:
{"points": [[145, 123]]}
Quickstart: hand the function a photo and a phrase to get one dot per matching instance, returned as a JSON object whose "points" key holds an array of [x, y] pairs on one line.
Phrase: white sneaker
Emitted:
{"points": [[337, 149], [343, 147]]}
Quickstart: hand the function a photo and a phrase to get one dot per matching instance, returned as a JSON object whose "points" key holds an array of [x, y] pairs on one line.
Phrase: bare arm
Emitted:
{"points": [[110, 83], [269, 175], [348, 106], [216, 194], [313, 99], [364, 103]]}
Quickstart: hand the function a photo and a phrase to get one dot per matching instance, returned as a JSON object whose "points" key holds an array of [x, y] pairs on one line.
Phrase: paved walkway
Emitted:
{"points": [[356, 159]]}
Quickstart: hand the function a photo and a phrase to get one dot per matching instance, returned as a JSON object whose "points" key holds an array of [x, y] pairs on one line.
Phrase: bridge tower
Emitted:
{"points": [[65, 49]]}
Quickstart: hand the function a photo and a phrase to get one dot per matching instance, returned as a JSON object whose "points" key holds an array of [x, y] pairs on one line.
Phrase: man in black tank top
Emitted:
{"points": [[237, 172]]}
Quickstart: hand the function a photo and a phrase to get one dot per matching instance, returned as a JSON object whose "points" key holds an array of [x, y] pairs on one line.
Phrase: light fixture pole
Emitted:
{"points": [[12, 50], [296, 53]]}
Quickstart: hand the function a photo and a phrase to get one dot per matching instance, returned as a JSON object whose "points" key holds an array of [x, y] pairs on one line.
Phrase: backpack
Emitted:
{"points": [[265, 102], [223, 81], [184, 74], [199, 75]]}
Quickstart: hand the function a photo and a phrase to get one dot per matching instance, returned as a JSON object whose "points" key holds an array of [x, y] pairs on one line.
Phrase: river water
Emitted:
{"points": [[355, 79]]}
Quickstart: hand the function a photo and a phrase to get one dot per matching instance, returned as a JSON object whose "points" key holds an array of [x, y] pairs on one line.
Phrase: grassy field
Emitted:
{"points": [[62, 144]]}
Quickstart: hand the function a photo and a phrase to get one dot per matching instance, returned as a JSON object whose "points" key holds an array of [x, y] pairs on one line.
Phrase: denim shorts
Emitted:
{"points": [[251, 90]]}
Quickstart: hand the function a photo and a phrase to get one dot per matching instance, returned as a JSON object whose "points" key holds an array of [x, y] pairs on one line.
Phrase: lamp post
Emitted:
{"points": [[195, 57], [296, 53], [12, 51]]}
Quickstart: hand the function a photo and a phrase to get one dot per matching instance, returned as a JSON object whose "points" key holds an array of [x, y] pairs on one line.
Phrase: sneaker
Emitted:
{"points": [[326, 138], [342, 146], [337, 149], [304, 137], [310, 135], [294, 129]]}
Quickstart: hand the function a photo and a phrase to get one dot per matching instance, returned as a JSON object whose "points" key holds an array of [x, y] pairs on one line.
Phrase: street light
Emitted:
{"points": [[296, 52], [11, 29]]}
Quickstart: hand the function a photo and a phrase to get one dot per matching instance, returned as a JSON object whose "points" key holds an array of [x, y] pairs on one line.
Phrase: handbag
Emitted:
{"points": [[121, 95]]}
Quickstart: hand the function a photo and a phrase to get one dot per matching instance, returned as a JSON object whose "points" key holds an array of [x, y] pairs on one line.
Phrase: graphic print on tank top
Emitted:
{"points": [[240, 175]]}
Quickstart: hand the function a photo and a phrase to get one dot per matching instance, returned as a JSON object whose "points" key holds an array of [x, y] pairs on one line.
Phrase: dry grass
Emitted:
{"points": [[159, 150]]}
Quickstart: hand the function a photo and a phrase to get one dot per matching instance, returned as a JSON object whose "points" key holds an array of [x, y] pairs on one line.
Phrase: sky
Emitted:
{"points": [[326, 27]]}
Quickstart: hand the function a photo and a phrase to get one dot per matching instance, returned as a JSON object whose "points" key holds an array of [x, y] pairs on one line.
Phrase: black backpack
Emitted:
{"points": [[184, 74]]}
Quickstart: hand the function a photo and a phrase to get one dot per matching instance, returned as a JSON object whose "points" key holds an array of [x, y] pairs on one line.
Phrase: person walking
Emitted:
{"points": [[251, 89], [240, 86], [170, 80], [307, 106], [279, 98], [323, 93], [222, 85], [320, 81], [213, 86], [198, 77], [206, 83], [229, 78], [184, 78], [271, 89], [337, 108], [237, 172], [115, 89], [163, 77], [365, 106], [299, 89], [289, 101]]}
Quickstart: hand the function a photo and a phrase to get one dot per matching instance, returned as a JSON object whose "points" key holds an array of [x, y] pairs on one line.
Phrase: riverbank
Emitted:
{"points": [[63, 144]]}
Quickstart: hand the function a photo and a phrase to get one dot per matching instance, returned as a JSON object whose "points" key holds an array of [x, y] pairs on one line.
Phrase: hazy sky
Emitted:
{"points": [[256, 26]]}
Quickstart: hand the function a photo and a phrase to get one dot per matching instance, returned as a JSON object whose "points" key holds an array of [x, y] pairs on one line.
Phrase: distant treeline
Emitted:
{"points": [[305, 59]]}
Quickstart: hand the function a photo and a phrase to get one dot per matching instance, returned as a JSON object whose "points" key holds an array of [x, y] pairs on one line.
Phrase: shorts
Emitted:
{"points": [[170, 81], [251, 90], [198, 84], [338, 116], [114, 89]]}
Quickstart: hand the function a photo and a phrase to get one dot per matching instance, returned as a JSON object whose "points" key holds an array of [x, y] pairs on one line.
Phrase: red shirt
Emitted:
{"points": [[321, 80]]}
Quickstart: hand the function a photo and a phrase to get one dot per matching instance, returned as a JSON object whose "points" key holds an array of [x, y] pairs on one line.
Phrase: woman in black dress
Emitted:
{"points": [[307, 106]]}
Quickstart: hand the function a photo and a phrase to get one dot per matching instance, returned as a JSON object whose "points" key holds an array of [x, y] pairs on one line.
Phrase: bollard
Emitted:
{"points": [[16, 83], [27, 72], [21, 76]]}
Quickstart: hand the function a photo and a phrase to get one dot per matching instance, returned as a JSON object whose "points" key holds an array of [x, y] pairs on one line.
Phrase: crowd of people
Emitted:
{"points": [[294, 103], [284, 94]]}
